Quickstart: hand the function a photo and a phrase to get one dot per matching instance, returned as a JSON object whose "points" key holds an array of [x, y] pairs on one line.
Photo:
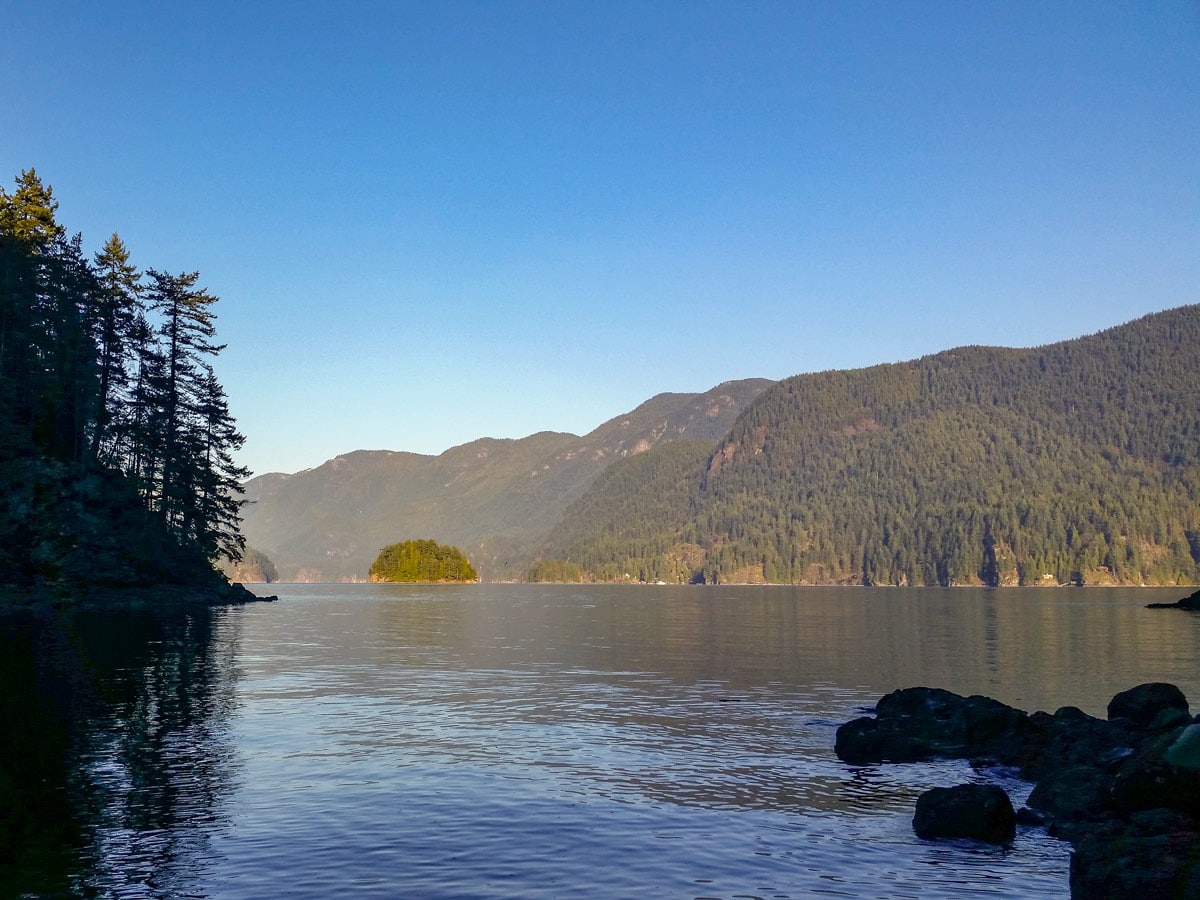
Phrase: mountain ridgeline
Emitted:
{"points": [[496, 499], [1077, 462]]}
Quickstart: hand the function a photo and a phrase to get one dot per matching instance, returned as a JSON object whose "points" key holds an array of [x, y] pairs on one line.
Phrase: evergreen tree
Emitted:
{"points": [[118, 318], [89, 373], [192, 476]]}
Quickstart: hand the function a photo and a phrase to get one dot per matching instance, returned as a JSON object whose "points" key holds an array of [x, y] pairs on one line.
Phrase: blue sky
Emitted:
{"points": [[432, 222]]}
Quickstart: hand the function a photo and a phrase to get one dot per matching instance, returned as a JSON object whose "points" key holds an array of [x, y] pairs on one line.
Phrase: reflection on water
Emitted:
{"points": [[535, 741], [114, 766]]}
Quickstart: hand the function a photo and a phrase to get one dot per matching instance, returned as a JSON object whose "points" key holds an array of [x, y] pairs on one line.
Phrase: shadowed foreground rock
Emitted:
{"points": [[1124, 791], [982, 812]]}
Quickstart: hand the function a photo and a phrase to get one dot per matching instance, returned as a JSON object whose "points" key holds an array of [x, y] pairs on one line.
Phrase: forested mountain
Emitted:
{"points": [[1074, 462], [115, 435], [496, 499]]}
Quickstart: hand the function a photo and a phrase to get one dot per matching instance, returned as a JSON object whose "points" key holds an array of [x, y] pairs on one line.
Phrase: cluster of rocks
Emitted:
{"points": [[1125, 791]]}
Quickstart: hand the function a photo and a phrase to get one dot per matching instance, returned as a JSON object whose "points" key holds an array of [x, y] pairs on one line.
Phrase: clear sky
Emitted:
{"points": [[430, 222]]}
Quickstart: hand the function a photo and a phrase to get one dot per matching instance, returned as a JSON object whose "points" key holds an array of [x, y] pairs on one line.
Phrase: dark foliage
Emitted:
{"points": [[115, 436]]}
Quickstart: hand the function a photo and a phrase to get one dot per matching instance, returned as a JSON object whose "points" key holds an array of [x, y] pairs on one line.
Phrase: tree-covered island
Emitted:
{"points": [[116, 441], [422, 561]]}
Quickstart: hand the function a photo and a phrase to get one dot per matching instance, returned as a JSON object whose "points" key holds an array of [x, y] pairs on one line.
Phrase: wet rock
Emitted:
{"points": [[1073, 794], [1125, 791], [1142, 704], [1191, 602], [1184, 752], [1170, 718], [981, 812], [1164, 774], [1150, 856], [924, 723], [1068, 738], [1030, 817]]}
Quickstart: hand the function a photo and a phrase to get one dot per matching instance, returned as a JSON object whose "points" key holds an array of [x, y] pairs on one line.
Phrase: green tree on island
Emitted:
{"points": [[421, 560]]}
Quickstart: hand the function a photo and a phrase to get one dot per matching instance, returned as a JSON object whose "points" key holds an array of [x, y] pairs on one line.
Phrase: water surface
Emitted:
{"points": [[545, 741]]}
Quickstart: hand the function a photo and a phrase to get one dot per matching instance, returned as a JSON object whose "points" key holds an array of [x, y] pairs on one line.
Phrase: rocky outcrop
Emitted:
{"points": [[1125, 790], [1150, 705], [926, 723], [1191, 602], [981, 812]]}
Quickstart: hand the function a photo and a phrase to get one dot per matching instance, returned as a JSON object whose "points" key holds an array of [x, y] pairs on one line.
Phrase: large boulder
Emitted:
{"points": [[1068, 738], [921, 723], [980, 812], [1146, 703], [1073, 794], [1150, 855], [1164, 774]]}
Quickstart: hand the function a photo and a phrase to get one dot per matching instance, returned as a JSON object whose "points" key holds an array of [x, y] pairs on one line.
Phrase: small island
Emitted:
{"points": [[422, 561]]}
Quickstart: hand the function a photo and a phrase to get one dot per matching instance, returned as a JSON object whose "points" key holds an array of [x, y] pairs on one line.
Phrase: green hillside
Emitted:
{"points": [[496, 499], [1074, 462]]}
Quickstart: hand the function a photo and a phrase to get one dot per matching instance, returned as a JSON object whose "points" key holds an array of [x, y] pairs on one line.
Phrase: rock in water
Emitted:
{"points": [[1125, 792], [981, 812], [1142, 704], [1191, 602], [923, 723]]}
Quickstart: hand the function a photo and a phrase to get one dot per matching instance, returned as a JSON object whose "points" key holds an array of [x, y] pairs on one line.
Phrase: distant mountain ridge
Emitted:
{"points": [[1077, 462], [494, 498]]}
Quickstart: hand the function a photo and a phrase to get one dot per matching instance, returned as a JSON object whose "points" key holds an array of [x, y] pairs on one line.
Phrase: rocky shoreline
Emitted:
{"points": [[1124, 791]]}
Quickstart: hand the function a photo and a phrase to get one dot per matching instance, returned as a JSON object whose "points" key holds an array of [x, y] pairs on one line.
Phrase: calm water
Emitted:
{"points": [[532, 741]]}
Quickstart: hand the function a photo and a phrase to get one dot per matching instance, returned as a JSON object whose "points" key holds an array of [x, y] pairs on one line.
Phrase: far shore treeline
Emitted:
{"points": [[116, 439]]}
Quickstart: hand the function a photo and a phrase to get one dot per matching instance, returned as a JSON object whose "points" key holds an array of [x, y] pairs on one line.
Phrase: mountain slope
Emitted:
{"points": [[494, 499], [1078, 461]]}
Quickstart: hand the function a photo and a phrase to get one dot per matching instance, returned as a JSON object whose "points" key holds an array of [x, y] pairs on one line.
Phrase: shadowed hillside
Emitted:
{"points": [[495, 499]]}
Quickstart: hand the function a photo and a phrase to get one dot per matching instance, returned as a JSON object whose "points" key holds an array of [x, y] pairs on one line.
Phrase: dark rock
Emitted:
{"points": [[924, 723], [1173, 717], [1191, 602], [1027, 816], [1124, 791], [1143, 703], [1073, 794], [1068, 738], [1071, 714], [981, 812], [1164, 774], [1139, 860]]}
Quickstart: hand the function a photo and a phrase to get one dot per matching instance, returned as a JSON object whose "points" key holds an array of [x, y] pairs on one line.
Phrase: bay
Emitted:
{"points": [[540, 741]]}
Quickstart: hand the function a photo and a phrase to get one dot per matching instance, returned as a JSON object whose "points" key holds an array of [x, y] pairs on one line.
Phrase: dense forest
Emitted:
{"points": [[116, 439], [421, 560], [1077, 462]]}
